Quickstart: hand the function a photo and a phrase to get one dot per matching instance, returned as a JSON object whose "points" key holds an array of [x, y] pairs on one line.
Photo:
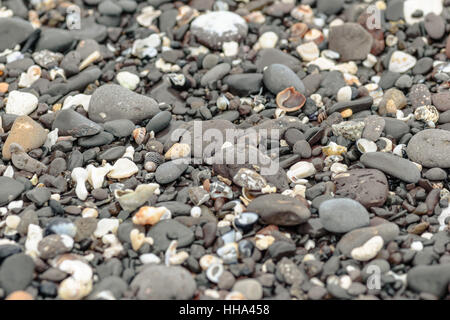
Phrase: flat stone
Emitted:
{"points": [[374, 126], [10, 189], [71, 123], [392, 165], [441, 100], [16, 272], [27, 133], [266, 57], [13, 31], [279, 210], [395, 128], [430, 148], [214, 74], [113, 102], [159, 122], [169, 171], [343, 215], [53, 39], [278, 77], [250, 288], [244, 84], [167, 230], [367, 186], [430, 279], [119, 128], [351, 41]]}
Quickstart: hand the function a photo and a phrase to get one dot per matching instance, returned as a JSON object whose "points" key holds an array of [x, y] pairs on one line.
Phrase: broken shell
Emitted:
{"points": [[301, 170], [71, 289], [34, 236], [398, 150], [139, 135], [146, 47], [177, 151], [303, 13], [314, 35], [267, 40], [214, 272], [96, 175], [333, 149], [246, 220], [89, 213], [366, 146], [249, 179], [290, 100], [178, 258], [129, 153], [105, 226], [170, 252], [94, 56], [388, 145], [222, 103], [185, 15], [79, 176], [255, 17], [128, 80], [207, 260], [123, 168], [427, 113], [179, 81], [308, 51], [368, 250], [114, 246], [151, 215], [137, 239], [263, 242], [131, 200], [298, 30], [27, 79], [147, 16], [79, 284]]}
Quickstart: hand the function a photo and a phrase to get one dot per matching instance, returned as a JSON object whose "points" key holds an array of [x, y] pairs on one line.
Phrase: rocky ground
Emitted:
{"points": [[96, 204]]}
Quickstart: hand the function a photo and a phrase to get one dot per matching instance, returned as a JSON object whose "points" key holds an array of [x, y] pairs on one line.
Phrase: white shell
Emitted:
{"points": [[308, 51], [123, 168], [105, 226], [401, 62], [79, 176], [76, 100], [365, 146], [301, 170]]}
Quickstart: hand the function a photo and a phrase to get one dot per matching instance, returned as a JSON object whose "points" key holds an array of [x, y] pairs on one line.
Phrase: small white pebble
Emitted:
{"points": [[148, 258], [416, 246], [196, 212]]}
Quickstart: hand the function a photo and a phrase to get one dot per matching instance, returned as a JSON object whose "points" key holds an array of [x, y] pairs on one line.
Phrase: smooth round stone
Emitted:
{"points": [[21, 103], [343, 215], [10, 189], [430, 279], [351, 41], [159, 122], [214, 74], [96, 141], [116, 285], [167, 230], [374, 126], [214, 28], [419, 95], [395, 128], [54, 39], [279, 210], [401, 62], [13, 31], [404, 82], [71, 123], [157, 282], [435, 174], [441, 100], [128, 80], [430, 148], [7, 250], [210, 61], [392, 101], [112, 154], [26, 132], [119, 128], [113, 102], [267, 57], [356, 238], [250, 288], [39, 195], [330, 7], [244, 84], [392, 165], [16, 272], [278, 77], [109, 8], [367, 186], [54, 245], [423, 66], [169, 171]]}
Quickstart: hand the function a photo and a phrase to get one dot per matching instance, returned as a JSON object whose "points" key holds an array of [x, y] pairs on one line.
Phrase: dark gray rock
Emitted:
{"points": [[119, 128], [278, 77], [170, 171], [13, 31], [244, 84], [159, 122], [10, 189], [53, 39], [351, 41], [71, 123], [167, 230], [16, 272], [343, 215], [430, 279]]}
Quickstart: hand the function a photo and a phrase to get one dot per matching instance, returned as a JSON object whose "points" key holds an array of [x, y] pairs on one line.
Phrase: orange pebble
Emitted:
{"points": [[19, 295], [4, 87]]}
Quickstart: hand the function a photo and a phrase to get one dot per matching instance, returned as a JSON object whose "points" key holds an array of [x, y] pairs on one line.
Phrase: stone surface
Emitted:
{"points": [[430, 148], [278, 77], [13, 31], [71, 123], [16, 272], [343, 215], [351, 41]]}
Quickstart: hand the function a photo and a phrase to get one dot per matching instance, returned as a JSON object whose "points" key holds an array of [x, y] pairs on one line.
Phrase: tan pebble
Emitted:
{"points": [[347, 113], [19, 295], [89, 213], [150, 215], [235, 296], [137, 239], [4, 87]]}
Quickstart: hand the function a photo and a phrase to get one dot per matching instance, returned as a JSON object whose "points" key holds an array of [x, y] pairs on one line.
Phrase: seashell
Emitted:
{"points": [[366, 146], [151, 215], [314, 35], [9, 172], [207, 260], [196, 212], [34, 236], [170, 252], [94, 56], [235, 295], [128, 80], [267, 40], [165, 66], [123, 168], [398, 150], [12, 221], [114, 246], [308, 51], [344, 94], [290, 100], [222, 103], [96, 175], [337, 168], [137, 239], [129, 153], [352, 80], [246, 220], [178, 81], [229, 253], [263, 242], [323, 63], [388, 145], [178, 258], [218, 189], [368, 250], [185, 15], [214, 272], [146, 47], [177, 151], [391, 40], [147, 16], [298, 30], [255, 17], [249, 179], [139, 135], [52, 138], [89, 213], [303, 13], [427, 113], [27, 79], [79, 176], [19, 295], [57, 72], [105, 226], [71, 289], [301, 170], [33, 17], [370, 61], [131, 200]]}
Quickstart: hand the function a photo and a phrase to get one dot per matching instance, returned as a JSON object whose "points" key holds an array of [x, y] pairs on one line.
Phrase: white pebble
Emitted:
{"points": [[21, 103], [416, 246], [105, 226], [401, 62], [268, 40], [344, 94], [230, 49], [128, 80], [196, 212], [148, 258], [301, 170], [368, 250]]}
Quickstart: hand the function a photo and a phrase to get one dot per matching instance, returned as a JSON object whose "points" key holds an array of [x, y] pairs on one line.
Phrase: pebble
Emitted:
{"points": [[113, 102], [157, 282], [393, 100], [27, 133], [119, 128], [250, 288], [368, 250], [430, 148], [392, 165], [71, 123], [441, 101], [367, 186], [308, 51], [279, 210], [431, 279], [169, 171], [123, 168], [16, 272], [214, 28], [278, 77], [128, 80], [167, 230], [401, 62], [351, 41], [244, 84], [21, 103], [215, 73], [373, 127], [53, 245], [343, 215], [13, 31]]}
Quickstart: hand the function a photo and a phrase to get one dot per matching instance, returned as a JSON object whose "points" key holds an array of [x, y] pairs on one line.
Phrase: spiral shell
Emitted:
{"points": [[139, 135]]}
